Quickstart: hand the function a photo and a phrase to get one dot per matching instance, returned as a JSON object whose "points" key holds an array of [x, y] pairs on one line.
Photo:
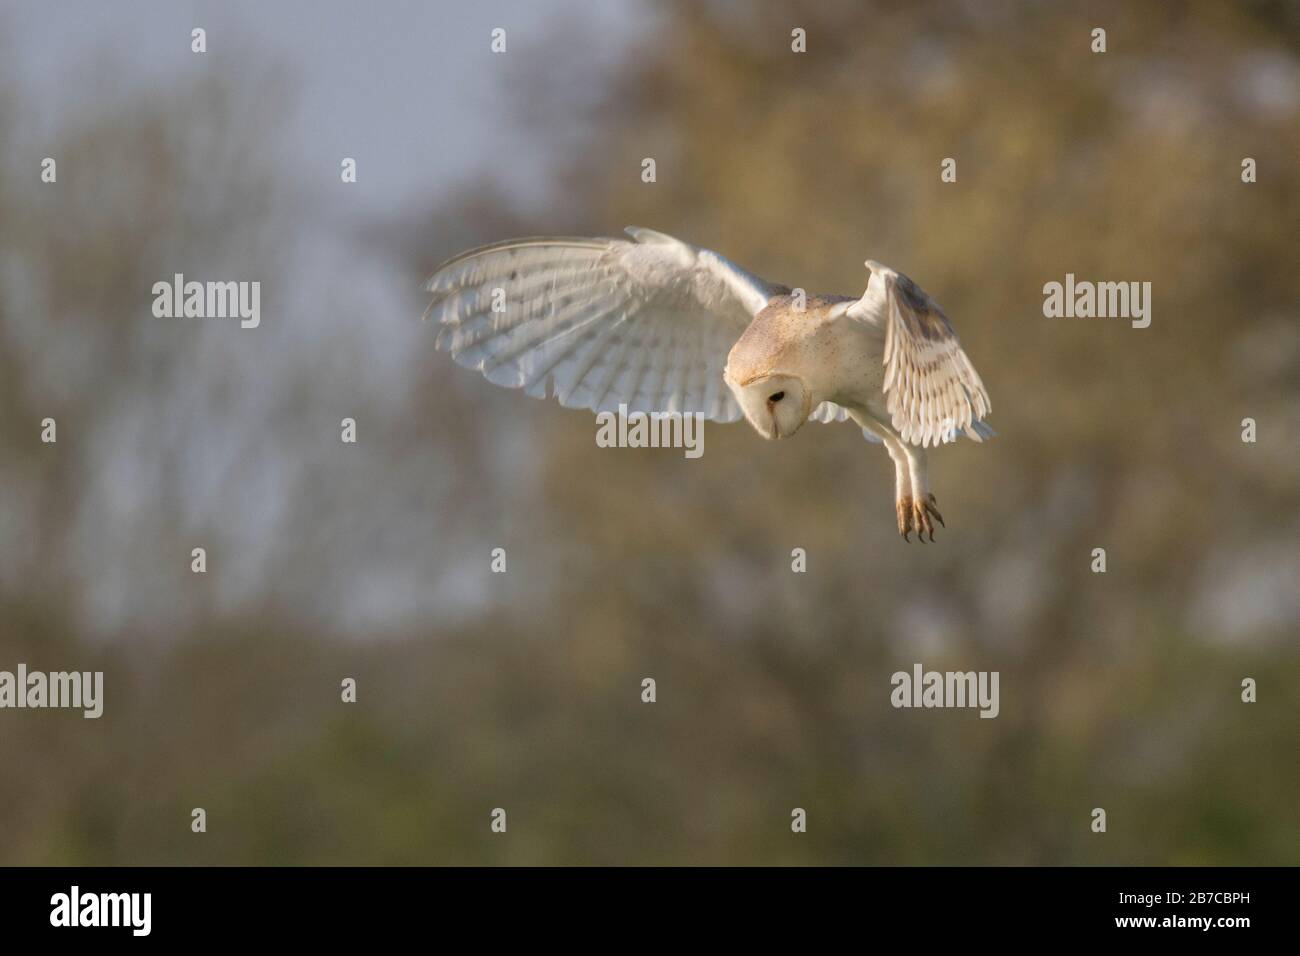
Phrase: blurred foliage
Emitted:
{"points": [[1119, 690]]}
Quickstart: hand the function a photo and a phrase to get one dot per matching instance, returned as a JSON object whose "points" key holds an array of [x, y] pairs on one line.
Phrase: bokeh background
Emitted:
{"points": [[325, 560]]}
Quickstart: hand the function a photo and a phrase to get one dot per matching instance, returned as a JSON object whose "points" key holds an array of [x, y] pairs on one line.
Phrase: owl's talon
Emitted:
{"points": [[920, 518], [923, 511], [905, 517], [931, 506]]}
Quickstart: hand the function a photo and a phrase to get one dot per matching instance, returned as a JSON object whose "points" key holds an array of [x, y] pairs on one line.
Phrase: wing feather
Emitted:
{"points": [[932, 392], [597, 322]]}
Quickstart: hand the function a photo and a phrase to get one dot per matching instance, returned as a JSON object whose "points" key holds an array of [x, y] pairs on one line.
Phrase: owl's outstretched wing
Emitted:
{"points": [[932, 391], [647, 323]]}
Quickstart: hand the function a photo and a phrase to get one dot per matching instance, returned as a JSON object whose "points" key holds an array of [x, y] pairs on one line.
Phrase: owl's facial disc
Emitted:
{"points": [[776, 405]]}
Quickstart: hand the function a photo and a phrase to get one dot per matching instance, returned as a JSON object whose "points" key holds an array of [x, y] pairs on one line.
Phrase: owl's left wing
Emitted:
{"points": [[932, 391], [600, 322]]}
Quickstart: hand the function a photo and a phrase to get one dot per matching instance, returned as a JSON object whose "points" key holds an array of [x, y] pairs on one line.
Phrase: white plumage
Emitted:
{"points": [[659, 325], [933, 392]]}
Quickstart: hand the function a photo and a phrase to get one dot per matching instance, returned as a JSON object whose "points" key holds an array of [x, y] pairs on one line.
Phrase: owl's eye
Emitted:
{"points": [[777, 397]]}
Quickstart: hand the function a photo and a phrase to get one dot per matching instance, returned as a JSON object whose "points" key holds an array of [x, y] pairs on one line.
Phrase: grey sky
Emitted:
{"points": [[413, 92], [409, 88]]}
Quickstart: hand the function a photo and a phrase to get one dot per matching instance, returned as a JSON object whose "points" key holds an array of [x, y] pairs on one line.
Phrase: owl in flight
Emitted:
{"points": [[659, 325]]}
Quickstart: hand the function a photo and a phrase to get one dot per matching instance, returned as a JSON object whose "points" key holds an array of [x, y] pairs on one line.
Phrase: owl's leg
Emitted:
{"points": [[924, 507], [903, 502]]}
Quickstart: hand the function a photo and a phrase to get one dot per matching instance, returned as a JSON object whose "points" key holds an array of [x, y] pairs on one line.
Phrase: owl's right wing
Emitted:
{"points": [[647, 323], [932, 392]]}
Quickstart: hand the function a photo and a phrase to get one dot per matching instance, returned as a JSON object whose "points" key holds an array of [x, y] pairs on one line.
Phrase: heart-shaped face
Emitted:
{"points": [[776, 405]]}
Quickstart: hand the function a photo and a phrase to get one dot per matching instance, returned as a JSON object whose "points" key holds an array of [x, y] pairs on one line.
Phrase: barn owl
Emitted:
{"points": [[659, 325]]}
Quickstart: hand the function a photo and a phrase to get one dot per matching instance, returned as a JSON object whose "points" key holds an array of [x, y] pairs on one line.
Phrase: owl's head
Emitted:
{"points": [[776, 405]]}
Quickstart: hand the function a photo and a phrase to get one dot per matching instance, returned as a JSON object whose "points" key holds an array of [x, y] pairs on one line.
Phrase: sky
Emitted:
{"points": [[413, 92], [410, 89]]}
